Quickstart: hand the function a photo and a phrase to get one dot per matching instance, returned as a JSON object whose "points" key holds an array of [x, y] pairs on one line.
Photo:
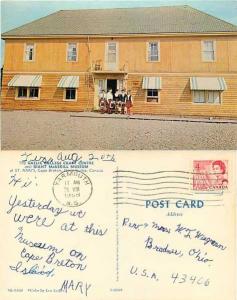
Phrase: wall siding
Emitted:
{"points": [[175, 96], [180, 58], [177, 54]]}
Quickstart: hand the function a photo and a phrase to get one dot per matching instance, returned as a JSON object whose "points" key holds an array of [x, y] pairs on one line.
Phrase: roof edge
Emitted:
{"points": [[25, 24], [213, 16], [127, 8], [47, 36]]}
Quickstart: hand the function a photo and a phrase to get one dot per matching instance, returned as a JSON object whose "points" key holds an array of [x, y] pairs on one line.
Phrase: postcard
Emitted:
{"points": [[118, 225]]}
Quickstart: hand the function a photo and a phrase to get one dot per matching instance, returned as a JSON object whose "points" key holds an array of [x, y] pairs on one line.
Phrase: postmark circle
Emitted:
{"points": [[72, 188]]}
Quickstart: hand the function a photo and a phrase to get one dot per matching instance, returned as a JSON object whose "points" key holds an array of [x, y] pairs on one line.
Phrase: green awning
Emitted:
{"points": [[153, 83], [26, 81], [69, 82], [208, 83]]}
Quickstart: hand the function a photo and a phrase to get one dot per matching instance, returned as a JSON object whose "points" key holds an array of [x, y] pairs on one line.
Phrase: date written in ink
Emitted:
{"points": [[179, 278]]}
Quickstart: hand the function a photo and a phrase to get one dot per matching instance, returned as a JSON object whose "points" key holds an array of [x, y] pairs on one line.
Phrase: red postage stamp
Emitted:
{"points": [[210, 175]]}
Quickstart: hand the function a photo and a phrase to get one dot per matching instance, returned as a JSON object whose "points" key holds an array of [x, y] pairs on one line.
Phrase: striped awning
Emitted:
{"points": [[208, 83], [151, 83], [69, 82], [26, 80]]}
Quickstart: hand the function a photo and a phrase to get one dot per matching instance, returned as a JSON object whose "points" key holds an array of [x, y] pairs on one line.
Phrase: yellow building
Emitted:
{"points": [[175, 60]]}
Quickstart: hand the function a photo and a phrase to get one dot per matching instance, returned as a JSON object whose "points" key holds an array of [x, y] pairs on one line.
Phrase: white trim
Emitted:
{"points": [[106, 63], [69, 100], [77, 49], [158, 97], [147, 51], [118, 83], [27, 98], [104, 83], [34, 52], [208, 103], [202, 50], [56, 36]]}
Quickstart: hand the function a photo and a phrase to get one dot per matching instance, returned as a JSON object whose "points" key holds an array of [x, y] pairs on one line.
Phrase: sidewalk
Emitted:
{"points": [[152, 118]]}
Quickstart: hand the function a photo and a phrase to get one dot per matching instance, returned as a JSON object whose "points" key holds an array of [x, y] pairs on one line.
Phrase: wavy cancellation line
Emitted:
{"points": [[156, 178], [153, 183], [149, 195], [160, 172], [152, 189]]}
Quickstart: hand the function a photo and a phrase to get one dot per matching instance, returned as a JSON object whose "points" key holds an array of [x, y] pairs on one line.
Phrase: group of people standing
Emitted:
{"points": [[119, 102]]}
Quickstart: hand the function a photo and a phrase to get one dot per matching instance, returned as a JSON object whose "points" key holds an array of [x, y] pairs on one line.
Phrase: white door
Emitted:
{"points": [[120, 84], [100, 84]]}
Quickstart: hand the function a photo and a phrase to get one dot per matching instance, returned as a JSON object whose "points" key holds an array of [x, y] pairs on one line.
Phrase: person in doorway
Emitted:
{"points": [[109, 101], [128, 103]]}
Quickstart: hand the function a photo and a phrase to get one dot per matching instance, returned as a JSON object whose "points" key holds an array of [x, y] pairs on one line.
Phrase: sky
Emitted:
{"points": [[16, 13]]}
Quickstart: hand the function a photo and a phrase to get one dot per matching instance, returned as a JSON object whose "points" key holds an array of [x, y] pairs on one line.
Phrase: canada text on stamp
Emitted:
{"points": [[210, 175], [72, 188]]}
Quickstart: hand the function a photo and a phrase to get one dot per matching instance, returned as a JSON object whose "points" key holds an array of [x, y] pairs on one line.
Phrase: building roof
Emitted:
{"points": [[144, 20]]}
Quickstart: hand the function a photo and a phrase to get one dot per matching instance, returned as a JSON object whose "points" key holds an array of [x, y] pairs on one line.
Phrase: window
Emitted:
{"points": [[208, 51], [207, 97], [29, 52], [213, 97], [28, 93], [34, 92], [199, 96], [152, 95], [112, 52], [153, 51], [70, 94], [102, 84], [22, 92], [120, 84], [111, 55], [72, 52]]}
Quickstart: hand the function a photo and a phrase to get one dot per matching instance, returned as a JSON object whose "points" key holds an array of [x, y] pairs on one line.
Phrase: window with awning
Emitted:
{"points": [[27, 86], [70, 85], [207, 89], [152, 85]]}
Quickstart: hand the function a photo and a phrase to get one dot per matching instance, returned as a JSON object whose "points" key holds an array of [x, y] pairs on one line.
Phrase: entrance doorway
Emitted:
{"points": [[106, 84], [112, 85]]}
